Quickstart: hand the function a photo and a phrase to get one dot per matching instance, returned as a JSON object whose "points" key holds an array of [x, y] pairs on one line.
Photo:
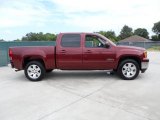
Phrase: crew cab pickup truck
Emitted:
{"points": [[79, 51]]}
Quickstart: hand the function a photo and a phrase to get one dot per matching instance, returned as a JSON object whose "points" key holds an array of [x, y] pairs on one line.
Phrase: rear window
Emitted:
{"points": [[71, 40]]}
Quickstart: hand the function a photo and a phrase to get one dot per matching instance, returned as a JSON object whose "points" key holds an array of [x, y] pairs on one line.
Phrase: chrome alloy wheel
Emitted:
{"points": [[129, 70], [34, 71]]}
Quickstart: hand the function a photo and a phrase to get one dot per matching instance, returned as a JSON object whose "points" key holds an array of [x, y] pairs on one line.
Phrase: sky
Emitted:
{"points": [[19, 17]]}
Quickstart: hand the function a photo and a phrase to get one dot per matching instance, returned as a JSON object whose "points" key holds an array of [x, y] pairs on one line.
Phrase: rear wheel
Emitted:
{"points": [[128, 69], [34, 71]]}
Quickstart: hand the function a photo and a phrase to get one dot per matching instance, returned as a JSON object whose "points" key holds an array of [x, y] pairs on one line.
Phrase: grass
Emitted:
{"points": [[154, 48]]}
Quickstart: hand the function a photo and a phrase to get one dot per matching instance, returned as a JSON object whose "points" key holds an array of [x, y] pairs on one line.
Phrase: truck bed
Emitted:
{"points": [[46, 53]]}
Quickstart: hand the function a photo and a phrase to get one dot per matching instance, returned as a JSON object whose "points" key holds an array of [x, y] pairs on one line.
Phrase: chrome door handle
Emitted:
{"points": [[63, 51], [88, 51]]}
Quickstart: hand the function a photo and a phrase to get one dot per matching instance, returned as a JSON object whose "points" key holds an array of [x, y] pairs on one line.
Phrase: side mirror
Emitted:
{"points": [[107, 45]]}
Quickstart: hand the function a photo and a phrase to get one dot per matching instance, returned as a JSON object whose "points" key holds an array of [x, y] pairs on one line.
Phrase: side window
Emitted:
{"points": [[71, 40], [93, 41]]}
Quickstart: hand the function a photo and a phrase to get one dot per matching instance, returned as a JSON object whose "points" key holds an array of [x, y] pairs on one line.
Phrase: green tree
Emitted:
{"points": [[1, 40], [155, 37], [141, 32], [109, 34], [39, 37], [30, 37], [156, 30], [17, 40], [126, 31], [50, 37]]}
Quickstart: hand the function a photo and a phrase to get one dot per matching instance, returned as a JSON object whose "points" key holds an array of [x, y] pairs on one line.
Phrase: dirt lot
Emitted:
{"points": [[81, 95]]}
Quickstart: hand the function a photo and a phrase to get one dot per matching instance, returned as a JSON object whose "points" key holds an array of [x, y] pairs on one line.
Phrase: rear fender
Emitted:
{"points": [[34, 55]]}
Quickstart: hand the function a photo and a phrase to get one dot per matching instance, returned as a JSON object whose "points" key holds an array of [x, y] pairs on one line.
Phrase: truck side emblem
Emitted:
{"points": [[110, 60]]}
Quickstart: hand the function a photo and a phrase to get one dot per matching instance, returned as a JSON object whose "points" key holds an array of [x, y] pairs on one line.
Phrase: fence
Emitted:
{"points": [[140, 44], [4, 58]]}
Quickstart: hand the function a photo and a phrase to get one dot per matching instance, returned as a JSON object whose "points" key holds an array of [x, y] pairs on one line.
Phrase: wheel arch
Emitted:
{"points": [[136, 58], [28, 59]]}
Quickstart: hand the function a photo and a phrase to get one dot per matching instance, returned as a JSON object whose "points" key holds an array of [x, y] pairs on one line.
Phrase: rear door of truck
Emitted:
{"points": [[69, 51]]}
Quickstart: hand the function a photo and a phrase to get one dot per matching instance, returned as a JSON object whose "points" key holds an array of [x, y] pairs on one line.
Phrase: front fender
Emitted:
{"points": [[130, 54]]}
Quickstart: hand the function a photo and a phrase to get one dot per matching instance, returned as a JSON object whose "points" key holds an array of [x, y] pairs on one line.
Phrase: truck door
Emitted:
{"points": [[96, 55], [69, 52]]}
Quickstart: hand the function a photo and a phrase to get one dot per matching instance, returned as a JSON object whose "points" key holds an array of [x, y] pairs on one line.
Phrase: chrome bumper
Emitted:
{"points": [[144, 65]]}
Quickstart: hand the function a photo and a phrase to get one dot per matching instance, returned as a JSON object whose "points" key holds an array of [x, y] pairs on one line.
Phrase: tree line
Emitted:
{"points": [[125, 32], [39, 37]]}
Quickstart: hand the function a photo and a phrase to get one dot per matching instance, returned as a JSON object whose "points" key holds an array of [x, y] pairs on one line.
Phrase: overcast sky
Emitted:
{"points": [[18, 17]]}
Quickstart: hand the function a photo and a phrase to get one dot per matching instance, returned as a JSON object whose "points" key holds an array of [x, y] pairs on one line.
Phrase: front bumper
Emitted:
{"points": [[144, 65]]}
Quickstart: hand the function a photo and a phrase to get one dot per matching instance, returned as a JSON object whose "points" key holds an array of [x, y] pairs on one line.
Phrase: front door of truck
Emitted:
{"points": [[69, 52], [96, 55]]}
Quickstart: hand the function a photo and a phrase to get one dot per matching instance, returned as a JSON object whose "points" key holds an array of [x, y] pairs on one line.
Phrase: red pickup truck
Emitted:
{"points": [[79, 51]]}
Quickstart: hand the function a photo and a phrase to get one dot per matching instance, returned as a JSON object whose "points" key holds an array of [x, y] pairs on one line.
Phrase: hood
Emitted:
{"points": [[130, 48]]}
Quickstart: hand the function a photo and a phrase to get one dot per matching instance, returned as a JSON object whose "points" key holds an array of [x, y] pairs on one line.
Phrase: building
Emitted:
{"points": [[134, 38], [138, 41]]}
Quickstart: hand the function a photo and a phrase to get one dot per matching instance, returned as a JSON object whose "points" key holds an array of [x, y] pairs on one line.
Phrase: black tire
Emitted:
{"points": [[48, 71], [126, 72], [36, 74]]}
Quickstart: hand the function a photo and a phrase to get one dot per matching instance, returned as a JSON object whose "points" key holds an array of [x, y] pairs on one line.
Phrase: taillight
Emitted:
{"points": [[145, 54], [10, 53]]}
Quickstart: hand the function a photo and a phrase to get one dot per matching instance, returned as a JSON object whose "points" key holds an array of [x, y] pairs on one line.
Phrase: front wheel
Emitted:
{"points": [[128, 69], [34, 71]]}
